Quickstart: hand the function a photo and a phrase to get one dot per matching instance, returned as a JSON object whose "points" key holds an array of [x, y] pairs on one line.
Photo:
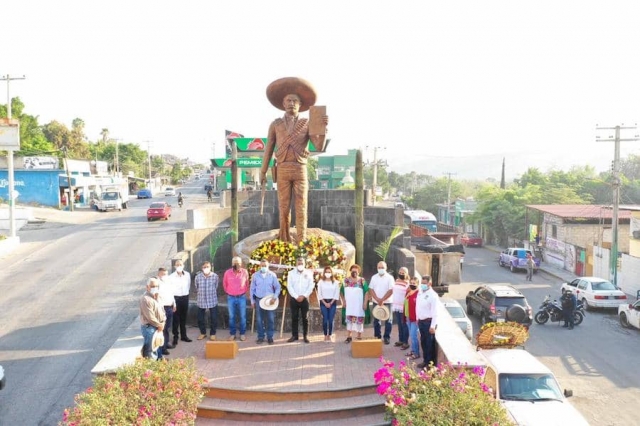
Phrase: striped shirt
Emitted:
{"points": [[207, 290]]}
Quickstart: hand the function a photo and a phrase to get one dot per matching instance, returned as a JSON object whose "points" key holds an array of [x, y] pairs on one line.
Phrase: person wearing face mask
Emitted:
{"points": [[354, 290], [236, 283], [427, 313], [412, 319], [206, 284], [181, 283], [264, 283], [299, 285], [166, 299], [328, 295], [380, 291], [397, 305], [152, 318]]}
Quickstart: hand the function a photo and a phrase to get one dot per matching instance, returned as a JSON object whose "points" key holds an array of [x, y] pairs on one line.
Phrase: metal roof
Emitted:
{"points": [[585, 211]]}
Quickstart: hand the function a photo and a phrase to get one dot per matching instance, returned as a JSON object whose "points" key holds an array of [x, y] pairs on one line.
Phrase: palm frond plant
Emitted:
{"points": [[217, 240], [383, 248]]}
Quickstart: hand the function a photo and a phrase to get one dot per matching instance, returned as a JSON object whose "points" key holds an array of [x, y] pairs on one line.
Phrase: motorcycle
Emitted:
{"points": [[552, 310], [180, 203]]}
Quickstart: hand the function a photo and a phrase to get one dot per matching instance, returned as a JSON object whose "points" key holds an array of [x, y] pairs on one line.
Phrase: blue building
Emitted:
{"points": [[34, 186]]}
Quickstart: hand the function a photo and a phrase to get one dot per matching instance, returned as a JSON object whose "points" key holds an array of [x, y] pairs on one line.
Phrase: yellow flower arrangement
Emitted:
{"points": [[319, 252]]}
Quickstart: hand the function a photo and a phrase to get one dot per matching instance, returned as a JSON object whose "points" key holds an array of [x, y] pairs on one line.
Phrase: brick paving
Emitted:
{"points": [[288, 367]]}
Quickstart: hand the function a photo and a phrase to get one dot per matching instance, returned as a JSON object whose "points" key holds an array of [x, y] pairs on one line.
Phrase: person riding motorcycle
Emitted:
{"points": [[180, 199], [569, 303]]}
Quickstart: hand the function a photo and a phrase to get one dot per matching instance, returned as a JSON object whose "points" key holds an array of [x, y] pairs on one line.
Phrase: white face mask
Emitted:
{"points": [[300, 268], [179, 268], [381, 271], [154, 291], [206, 270], [327, 275]]}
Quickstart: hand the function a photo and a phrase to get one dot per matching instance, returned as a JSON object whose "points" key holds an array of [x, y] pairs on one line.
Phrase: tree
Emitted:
{"points": [[72, 140], [312, 167], [427, 197], [32, 140]]}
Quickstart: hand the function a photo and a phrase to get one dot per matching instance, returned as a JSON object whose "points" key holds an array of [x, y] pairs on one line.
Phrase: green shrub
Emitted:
{"points": [[441, 396], [145, 393]]}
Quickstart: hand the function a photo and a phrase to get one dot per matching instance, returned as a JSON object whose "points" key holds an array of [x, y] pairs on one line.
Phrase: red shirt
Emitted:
{"points": [[411, 315], [235, 283]]}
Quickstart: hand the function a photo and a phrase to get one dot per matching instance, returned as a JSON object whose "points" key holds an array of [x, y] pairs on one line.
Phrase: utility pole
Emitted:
{"points": [[375, 164], [116, 159], [613, 260], [70, 197], [448, 215], [11, 190], [149, 161]]}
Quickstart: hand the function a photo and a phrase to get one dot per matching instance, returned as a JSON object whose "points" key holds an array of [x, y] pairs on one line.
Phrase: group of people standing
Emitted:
{"points": [[412, 305]]}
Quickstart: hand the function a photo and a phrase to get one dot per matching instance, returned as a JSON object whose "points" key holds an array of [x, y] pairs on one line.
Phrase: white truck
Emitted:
{"points": [[113, 198]]}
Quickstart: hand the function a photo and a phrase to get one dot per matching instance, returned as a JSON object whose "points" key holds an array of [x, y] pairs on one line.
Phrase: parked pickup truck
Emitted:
{"points": [[516, 258]]}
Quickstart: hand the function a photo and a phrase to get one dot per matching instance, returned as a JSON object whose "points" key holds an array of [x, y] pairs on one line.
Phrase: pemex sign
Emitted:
{"points": [[243, 162], [257, 145]]}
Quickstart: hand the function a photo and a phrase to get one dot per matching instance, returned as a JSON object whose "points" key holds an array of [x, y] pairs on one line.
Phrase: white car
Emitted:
{"points": [[459, 316], [596, 292], [170, 191], [528, 390], [630, 315]]}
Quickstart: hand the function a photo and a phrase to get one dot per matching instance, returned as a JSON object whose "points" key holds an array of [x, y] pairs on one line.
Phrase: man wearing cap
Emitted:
{"points": [[299, 285], [166, 299], [236, 283], [288, 138], [380, 291], [264, 283], [152, 318], [427, 313]]}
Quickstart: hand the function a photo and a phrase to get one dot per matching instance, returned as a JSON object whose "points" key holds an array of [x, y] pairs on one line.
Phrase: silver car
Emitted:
{"points": [[459, 316]]}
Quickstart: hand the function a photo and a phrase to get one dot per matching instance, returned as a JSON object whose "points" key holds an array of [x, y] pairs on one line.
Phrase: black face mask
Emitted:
{"points": [[354, 274], [401, 276], [235, 267], [413, 287]]}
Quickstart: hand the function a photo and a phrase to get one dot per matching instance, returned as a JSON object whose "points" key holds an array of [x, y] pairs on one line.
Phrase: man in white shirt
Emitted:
{"points": [[165, 298], [299, 285], [427, 314], [181, 283], [380, 291]]}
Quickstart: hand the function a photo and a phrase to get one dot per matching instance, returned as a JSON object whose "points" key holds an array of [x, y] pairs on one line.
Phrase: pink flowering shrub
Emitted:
{"points": [[146, 393], [445, 395]]}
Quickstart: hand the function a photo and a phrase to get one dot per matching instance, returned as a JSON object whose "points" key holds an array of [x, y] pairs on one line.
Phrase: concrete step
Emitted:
{"points": [[376, 419], [256, 395], [299, 411]]}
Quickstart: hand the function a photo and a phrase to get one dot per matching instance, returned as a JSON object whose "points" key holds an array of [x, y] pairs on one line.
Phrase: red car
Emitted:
{"points": [[471, 239], [160, 210]]}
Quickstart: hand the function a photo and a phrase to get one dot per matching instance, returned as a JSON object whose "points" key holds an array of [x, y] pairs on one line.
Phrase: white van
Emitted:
{"points": [[528, 389]]}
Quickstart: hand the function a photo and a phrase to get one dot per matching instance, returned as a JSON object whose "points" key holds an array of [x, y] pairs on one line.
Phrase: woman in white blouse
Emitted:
{"points": [[328, 295]]}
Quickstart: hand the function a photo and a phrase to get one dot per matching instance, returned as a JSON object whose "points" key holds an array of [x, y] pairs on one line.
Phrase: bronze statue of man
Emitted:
{"points": [[288, 138]]}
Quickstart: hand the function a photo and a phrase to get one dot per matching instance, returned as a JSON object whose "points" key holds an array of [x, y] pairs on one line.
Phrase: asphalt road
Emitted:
{"points": [[597, 360], [68, 292]]}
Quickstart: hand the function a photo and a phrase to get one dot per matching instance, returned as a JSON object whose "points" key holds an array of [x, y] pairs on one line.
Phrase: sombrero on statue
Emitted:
{"points": [[265, 303], [282, 87], [381, 313]]}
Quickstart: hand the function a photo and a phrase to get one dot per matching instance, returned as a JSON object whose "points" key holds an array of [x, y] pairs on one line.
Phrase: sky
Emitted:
{"points": [[439, 87]]}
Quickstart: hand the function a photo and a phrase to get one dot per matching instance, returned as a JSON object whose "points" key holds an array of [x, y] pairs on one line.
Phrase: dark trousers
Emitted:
{"points": [[328, 314], [403, 327], [213, 320], [427, 342], [568, 317], [180, 317], [168, 310], [296, 309]]}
